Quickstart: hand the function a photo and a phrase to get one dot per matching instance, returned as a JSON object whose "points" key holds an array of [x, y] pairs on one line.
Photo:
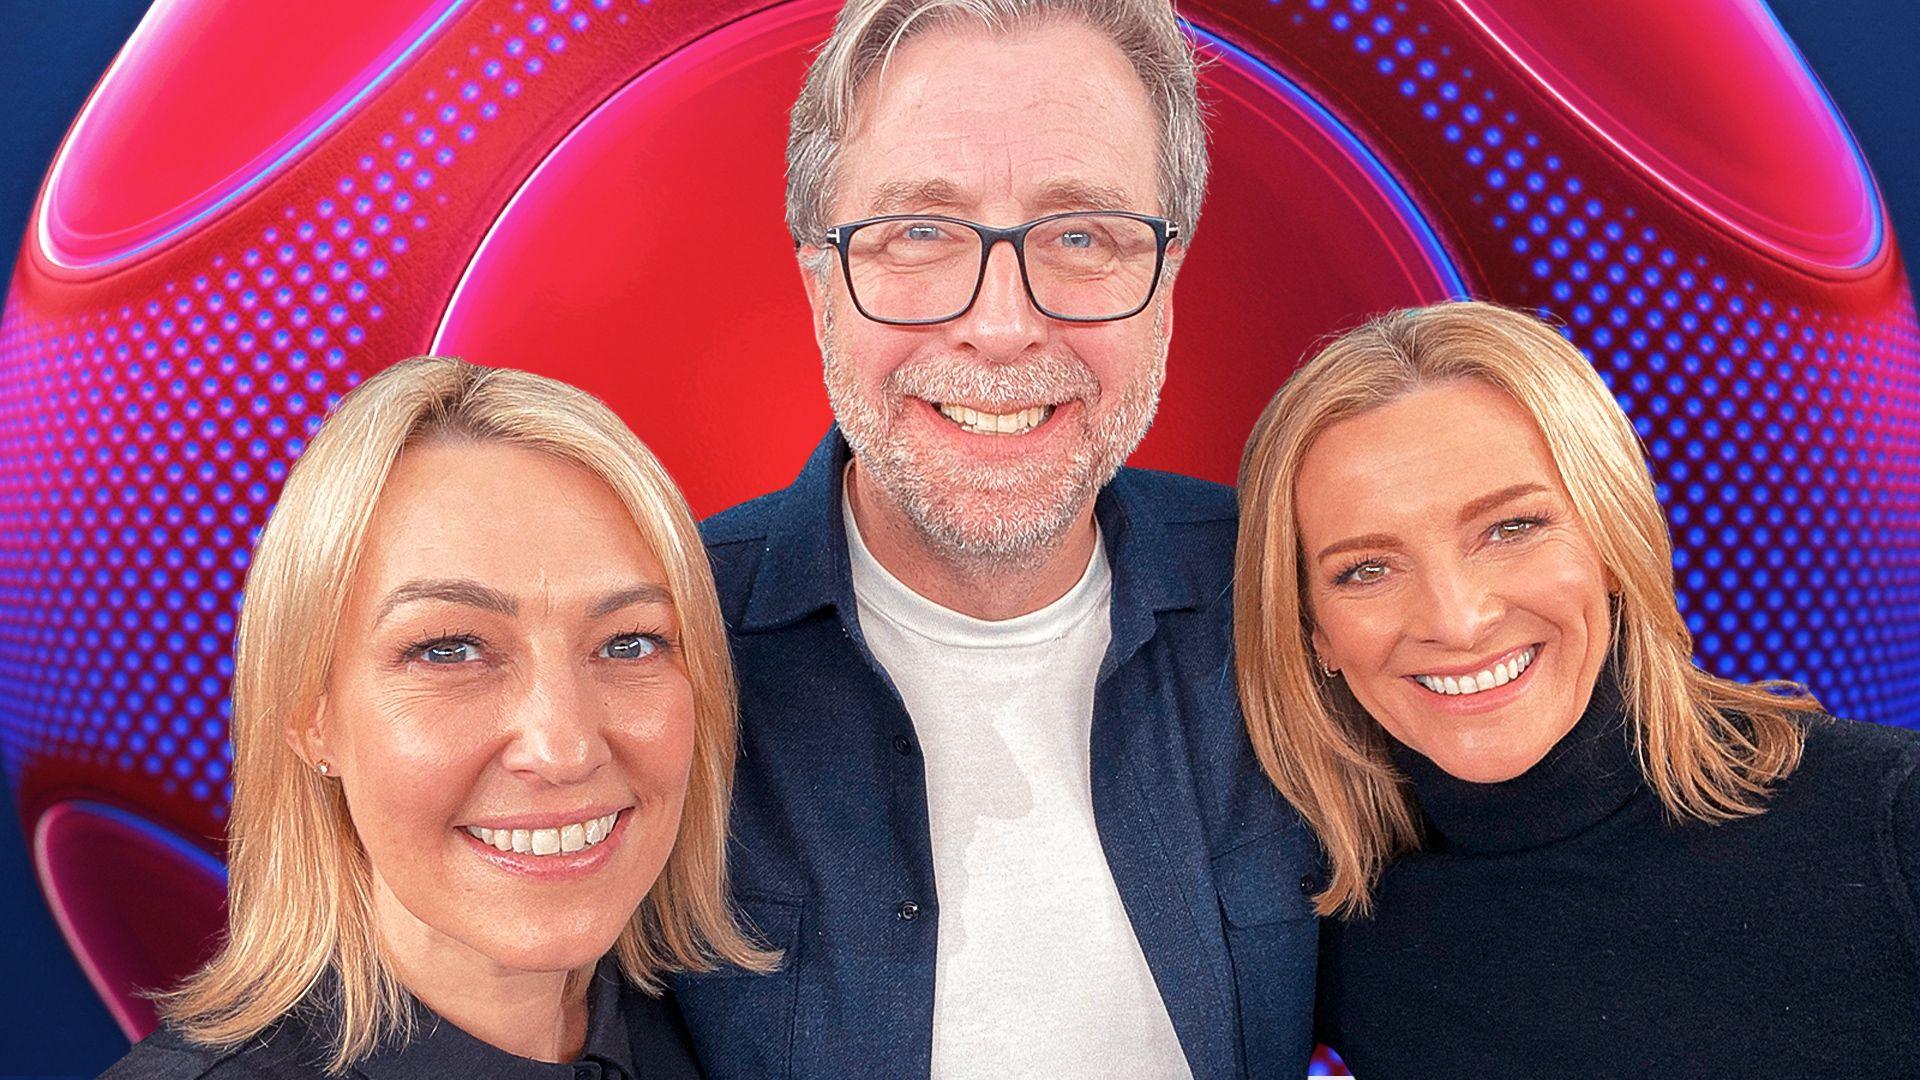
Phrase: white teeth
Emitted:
{"points": [[1498, 675], [984, 423], [577, 836]]}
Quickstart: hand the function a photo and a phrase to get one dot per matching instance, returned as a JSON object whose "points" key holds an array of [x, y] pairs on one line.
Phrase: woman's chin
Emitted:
{"points": [[543, 937], [550, 951], [1494, 755], [1485, 769]]}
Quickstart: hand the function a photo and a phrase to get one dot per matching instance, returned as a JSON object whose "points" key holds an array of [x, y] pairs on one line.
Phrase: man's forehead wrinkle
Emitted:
{"points": [[1003, 153], [1067, 183], [886, 92]]}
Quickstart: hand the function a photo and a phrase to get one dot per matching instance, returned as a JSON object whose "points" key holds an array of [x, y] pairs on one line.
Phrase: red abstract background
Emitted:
{"points": [[261, 204]]}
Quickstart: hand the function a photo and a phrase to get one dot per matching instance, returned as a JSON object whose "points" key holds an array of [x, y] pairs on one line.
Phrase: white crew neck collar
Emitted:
{"points": [[878, 590]]}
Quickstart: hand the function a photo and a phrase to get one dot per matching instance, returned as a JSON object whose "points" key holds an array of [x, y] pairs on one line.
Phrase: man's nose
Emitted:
{"points": [[556, 730], [1002, 323]]}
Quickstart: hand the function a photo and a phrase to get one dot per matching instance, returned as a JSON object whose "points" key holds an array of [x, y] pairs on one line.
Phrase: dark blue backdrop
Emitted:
{"points": [[50, 56]]}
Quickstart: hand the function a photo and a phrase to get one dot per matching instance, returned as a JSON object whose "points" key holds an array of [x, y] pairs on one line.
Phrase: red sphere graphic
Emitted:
{"points": [[262, 204]]}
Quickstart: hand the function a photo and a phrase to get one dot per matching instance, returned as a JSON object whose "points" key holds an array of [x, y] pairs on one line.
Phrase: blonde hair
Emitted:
{"points": [[1711, 749], [867, 32], [299, 902]]}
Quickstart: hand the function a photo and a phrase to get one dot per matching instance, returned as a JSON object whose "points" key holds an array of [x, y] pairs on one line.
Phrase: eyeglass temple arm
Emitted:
{"points": [[831, 238]]}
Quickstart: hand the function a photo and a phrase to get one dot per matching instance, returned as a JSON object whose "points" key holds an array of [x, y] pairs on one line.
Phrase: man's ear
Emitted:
{"points": [[1176, 258], [1169, 273], [819, 286]]}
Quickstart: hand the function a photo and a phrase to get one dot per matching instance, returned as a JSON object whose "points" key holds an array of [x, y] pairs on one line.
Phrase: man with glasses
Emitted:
{"points": [[994, 800]]}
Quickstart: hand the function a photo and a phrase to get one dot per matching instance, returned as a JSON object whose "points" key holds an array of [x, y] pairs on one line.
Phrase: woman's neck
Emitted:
{"points": [[1590, 773], [532, 1014]]}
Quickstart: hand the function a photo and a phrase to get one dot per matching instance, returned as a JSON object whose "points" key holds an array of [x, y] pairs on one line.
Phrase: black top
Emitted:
{"points": [[1558, 924], [630, 1036]]}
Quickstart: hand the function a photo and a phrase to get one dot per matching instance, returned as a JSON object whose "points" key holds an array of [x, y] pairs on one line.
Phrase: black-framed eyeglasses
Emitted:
{"points": [[1080, 266]]}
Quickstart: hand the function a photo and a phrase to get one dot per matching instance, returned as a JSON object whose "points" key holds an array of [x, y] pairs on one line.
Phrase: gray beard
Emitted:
{"points": [[976, 514]]}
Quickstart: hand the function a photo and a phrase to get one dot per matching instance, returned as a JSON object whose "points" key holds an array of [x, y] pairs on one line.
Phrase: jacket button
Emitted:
{"points": [[1309, 885], [908, 911], [902, 745]]}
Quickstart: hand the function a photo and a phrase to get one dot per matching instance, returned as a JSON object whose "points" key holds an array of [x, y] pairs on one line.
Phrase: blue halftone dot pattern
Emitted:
{"points": [[142, 447], [1781, 436]]}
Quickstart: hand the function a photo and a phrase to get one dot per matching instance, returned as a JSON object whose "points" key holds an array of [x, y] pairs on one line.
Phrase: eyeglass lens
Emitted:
{"points": [[1083, 266]]}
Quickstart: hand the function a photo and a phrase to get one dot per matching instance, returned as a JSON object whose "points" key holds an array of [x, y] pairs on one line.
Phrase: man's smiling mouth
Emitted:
{"points": [[977, 422]]}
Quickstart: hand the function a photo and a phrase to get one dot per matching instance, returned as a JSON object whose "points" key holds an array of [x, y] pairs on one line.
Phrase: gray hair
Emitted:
{"points": [[867, 32]]}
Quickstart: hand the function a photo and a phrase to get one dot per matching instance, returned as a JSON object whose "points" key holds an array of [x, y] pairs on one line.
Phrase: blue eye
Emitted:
{"points": [[922, 232], [630, 647], [1076, 240], [448, 651]]}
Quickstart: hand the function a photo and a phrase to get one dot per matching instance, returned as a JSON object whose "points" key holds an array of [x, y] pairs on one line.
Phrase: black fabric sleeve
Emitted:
{"points": [[1901, 847], [166, 1055], [163, 1055], [1903, 835]]}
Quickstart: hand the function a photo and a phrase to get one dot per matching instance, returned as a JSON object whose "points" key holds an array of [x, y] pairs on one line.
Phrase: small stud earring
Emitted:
{"points": [[323, 768]]}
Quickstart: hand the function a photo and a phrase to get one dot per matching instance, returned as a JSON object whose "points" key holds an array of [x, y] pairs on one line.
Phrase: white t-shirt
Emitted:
{"points": [[1038, 971]]}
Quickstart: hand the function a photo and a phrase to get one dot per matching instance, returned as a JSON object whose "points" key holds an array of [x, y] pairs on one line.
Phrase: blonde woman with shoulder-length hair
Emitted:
{"points": [[1555, 845], [483, 728]]}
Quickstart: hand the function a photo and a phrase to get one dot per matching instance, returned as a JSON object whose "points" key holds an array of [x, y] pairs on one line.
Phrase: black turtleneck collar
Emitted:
{"points": [[1590, 773]]}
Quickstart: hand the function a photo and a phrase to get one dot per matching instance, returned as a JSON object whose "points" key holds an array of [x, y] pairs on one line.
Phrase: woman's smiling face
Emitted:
{"points": [[1449, 580], [508, 709]]}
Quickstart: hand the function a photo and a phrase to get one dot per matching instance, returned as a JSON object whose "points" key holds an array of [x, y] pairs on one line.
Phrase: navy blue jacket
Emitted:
{"points": [[832, 859]]}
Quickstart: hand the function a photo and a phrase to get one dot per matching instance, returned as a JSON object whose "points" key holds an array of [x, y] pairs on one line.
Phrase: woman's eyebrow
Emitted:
{"points": [[451, 590], [646, 593], [486, 598], [1357, 543], [1492, 499]]}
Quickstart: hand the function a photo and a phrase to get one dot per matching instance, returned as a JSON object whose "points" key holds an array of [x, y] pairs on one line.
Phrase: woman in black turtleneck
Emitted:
{"points": [[1556, 847]]}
